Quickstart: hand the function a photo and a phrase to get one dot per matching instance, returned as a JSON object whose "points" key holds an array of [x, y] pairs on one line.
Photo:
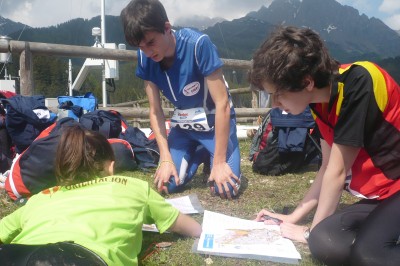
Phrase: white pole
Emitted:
{"points": [[70, 77], [103, 41]]}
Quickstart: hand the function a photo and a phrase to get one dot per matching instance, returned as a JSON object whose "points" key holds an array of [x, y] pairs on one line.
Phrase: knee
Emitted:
{"points": [[324, 249]]}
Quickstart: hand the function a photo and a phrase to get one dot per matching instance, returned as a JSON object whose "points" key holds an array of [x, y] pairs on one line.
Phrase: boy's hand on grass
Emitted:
{"points": [[221, 175]]}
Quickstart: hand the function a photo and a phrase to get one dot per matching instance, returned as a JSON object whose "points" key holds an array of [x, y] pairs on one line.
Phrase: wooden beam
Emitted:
{"points": [[26, 71]]}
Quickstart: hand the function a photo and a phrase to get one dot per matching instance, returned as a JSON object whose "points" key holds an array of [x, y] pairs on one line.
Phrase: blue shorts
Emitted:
{"points": [[191, 148]]}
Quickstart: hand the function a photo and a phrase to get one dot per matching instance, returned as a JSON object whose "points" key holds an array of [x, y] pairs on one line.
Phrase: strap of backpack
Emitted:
{"points": [[105, 129]]}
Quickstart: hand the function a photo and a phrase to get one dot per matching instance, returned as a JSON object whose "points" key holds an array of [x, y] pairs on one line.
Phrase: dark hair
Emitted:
{"points": [[288, 56], [81, 155], [141, 16]]}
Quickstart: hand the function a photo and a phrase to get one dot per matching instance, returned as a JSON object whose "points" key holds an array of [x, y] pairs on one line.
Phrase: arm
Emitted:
{"points": [[341, 159], [157, 122], [221, 172], [186, 225], [310, 200], [331, 185]]}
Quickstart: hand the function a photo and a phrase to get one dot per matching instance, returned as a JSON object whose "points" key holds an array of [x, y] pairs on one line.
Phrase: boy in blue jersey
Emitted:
{"points": [[185, 67]]}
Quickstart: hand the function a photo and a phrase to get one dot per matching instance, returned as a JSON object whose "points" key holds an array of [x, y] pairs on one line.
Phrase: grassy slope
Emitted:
{"points": [[257, 192]]}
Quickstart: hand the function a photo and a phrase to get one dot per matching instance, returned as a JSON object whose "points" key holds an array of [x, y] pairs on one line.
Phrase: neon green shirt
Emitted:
{"points": [[104, 215]]}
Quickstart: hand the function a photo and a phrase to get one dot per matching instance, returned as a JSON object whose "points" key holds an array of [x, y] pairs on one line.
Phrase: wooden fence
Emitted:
{"points": [[27, 50]]}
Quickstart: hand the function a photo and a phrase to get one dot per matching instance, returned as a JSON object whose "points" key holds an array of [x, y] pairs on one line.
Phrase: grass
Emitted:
{"points": [[257, 192]]}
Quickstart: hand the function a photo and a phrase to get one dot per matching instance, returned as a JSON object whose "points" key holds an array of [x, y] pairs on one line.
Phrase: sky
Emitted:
{"points": [[44, 13]]}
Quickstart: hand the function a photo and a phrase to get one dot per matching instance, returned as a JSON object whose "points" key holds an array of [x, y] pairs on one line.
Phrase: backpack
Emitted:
{"points": [[113, 125], [283, 143], [76, 106], [26, 117], [108, 123], [7, 149], [33, 170]]}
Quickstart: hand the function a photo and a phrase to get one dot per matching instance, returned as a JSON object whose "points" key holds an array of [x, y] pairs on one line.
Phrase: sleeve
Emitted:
{"points": [[160, 212], [207, 57], [353, 106], [10, 226]]}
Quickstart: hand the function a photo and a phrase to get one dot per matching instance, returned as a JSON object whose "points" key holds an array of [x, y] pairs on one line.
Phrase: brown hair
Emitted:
{"points": [[141, 16], [81, 155], [288, 56]]}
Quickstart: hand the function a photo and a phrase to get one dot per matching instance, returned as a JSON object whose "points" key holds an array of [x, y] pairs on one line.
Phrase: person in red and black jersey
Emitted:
{"points": [[357, 109]]}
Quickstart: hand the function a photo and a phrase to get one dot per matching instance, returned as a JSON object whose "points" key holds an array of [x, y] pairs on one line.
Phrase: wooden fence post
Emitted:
{"points": [[26, 71]]}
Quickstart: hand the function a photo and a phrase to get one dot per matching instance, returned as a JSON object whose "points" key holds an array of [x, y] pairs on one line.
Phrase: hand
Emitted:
{"points": [[222, 175], [288, 229], [164, 171], [293, 232], [272, 218]]}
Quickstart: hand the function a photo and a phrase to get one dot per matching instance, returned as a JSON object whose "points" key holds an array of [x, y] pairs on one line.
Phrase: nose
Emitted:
{"points": [[275, 102], [147, 51]]}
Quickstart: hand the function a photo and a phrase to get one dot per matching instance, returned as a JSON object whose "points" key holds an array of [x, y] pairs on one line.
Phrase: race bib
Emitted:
{"points": [[190, 119]]}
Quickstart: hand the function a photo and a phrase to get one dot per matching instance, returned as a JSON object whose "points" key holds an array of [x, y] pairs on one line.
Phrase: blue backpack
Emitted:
{"points": [[76, 106]]}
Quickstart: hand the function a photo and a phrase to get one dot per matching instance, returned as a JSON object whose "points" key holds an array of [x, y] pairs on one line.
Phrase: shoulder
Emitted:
{"points": [[361, 69], [191, 36]]}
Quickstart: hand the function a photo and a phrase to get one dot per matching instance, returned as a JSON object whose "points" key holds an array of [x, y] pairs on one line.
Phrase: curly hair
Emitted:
{"points": [[288, 56]]}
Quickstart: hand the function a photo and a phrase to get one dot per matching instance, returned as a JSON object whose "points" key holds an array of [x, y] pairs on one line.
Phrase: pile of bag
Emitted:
{"points": [[35, 131]]}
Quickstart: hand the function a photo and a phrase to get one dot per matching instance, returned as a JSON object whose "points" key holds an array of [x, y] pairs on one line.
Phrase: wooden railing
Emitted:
{"points": [[27, 50]]}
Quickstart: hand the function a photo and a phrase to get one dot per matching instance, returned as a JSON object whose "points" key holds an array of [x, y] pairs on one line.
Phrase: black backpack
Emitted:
{"points": [[111, 124], [275, 152]]}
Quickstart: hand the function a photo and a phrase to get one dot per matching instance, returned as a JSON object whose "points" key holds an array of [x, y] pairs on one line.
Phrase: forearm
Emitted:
{"points": [[222, 128], [331, 191], [340, 161], [310, 200], [186, 225], [157, 122]]}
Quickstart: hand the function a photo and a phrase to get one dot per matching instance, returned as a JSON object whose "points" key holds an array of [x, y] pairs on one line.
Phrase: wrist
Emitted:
{"points": [[306, 234]]}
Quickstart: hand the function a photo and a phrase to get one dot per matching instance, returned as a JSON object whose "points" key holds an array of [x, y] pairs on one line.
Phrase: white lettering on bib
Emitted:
{"points": [[191, 119]]}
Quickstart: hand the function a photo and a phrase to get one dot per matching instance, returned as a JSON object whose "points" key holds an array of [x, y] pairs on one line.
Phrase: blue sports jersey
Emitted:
{"points": [[183, 84]]}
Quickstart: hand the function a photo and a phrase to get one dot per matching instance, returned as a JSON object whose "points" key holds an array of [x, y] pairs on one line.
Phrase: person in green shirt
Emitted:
{"points": [[92, 217]]}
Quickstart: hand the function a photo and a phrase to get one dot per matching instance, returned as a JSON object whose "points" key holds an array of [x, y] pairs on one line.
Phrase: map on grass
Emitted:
{"points": [[189, 204], [234, 237]]}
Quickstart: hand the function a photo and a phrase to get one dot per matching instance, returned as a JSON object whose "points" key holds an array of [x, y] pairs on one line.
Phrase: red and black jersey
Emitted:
{"points": [[364, 112]]}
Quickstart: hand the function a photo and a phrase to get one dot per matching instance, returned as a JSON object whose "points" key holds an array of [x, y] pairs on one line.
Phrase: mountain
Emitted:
{"points": [[198, 22], [347, 33], [8, 26], [74, 32], [239, 38]]}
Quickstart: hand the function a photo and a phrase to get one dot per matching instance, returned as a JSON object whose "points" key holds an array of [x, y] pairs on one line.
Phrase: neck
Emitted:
{"points": [[322, 95], [169, 58]]}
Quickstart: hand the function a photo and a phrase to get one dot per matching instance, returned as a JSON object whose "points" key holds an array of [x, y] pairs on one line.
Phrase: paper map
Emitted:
{"points": [[187, 205], [233, 237]]}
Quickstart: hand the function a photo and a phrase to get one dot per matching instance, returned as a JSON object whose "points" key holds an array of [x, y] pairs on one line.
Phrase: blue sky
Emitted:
{"points": [[43, 13]]}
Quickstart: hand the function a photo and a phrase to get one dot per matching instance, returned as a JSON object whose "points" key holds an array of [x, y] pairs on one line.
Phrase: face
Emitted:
{"points": [[291, 102], [157, 45]]}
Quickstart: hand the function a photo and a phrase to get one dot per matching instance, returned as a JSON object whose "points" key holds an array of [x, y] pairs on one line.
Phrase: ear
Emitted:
{"points": [[308, 83], [167, 27], [110, 168]]}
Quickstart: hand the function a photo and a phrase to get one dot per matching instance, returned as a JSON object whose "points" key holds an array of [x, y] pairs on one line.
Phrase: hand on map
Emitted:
{"points": [[293, 232], [270, 217], [221, 175], [288, 229], [163, 174]]}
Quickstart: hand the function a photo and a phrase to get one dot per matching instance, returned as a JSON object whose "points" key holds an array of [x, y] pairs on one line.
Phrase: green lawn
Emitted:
{"points": [[257, 192]]}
